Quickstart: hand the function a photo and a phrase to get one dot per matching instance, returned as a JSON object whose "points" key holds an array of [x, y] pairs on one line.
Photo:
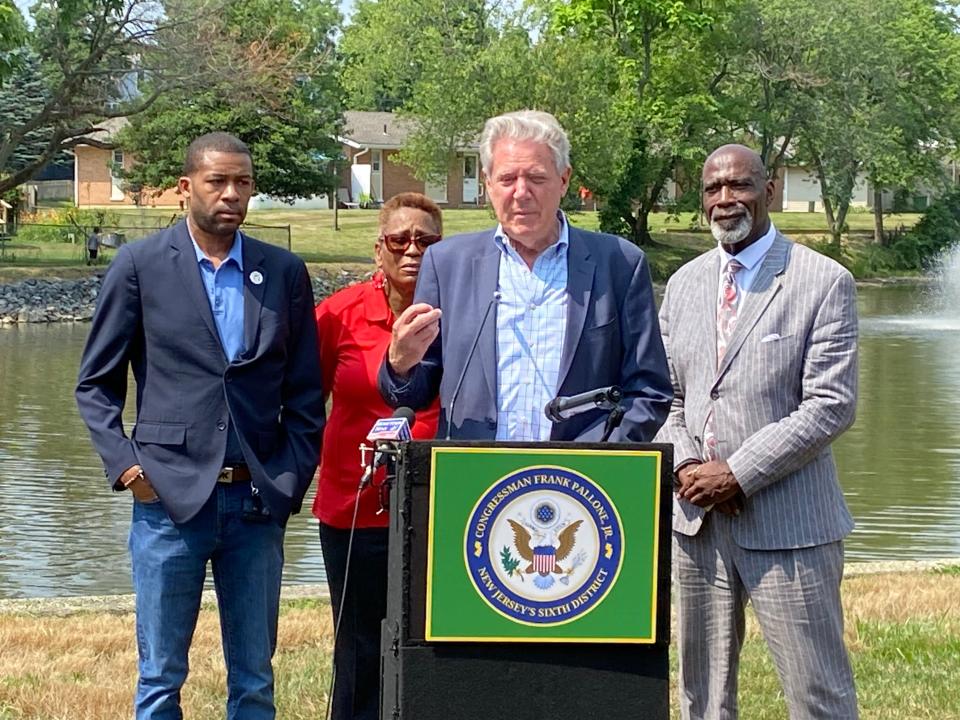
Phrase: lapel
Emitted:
{"points": [[185, 259], [766, 285], [486, 271], [253, 262], [704, 299], [580, 270]]}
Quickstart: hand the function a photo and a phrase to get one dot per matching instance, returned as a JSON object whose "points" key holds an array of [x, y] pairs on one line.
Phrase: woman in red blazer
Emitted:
{"points": [[354, 327]]}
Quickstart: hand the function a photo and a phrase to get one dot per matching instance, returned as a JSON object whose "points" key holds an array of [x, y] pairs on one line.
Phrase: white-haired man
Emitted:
{"points": [[531, 309]]}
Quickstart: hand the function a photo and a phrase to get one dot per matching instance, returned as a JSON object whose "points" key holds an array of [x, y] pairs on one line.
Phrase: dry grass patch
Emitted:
{"points": [[83, 667], [903, 631]]}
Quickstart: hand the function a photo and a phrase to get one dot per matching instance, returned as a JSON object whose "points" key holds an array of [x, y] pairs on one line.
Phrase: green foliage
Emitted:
{"points": [[22, 97], [290, 127], [13, 33], [508, 561], [938, 230], [64, 225], [668, 75]]}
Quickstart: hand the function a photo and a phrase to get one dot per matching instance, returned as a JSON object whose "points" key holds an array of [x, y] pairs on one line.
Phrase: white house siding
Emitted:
{"points": [[801, 192]]}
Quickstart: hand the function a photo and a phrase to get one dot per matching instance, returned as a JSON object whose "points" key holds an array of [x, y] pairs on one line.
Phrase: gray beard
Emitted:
{"points": [[738, 233]]}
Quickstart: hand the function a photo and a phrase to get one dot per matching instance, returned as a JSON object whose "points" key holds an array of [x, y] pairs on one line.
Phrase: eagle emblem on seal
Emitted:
{"points": [[544, 559]]}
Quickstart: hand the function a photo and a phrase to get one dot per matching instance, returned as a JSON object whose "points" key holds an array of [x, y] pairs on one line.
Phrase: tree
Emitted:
{"points": [[291, 130], [845, 107], [12, 36], [472, 60], [668, 67], [916, 123], [95, 55]]}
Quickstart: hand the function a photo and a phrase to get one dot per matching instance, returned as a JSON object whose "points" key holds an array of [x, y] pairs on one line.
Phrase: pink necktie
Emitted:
{"points": [[726, 324]]}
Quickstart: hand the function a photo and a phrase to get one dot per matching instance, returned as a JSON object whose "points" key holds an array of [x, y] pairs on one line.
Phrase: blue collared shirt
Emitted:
{"points": [[224, 286], [750, 257], [531, 324]]}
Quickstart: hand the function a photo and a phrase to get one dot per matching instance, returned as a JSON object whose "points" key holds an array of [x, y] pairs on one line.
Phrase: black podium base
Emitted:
{"points": [[523, 682]]}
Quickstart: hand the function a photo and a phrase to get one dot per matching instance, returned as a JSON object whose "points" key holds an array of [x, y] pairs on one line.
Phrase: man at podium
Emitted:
{"points": [[531, 309]]}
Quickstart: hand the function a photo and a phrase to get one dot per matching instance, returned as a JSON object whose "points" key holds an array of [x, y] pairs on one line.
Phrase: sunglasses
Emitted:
{"points": [[401, 241]]}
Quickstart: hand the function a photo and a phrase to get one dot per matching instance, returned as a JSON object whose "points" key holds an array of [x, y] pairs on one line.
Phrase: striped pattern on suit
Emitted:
{"points": [[785, 389]]}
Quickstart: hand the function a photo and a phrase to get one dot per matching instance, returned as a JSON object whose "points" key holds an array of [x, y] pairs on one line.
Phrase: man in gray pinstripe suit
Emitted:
{"points": [[761, 335]]}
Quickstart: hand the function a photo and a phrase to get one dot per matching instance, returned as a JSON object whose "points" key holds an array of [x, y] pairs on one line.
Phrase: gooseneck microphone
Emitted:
{"points": [[385, 434], [473, 348], [565, 407]]}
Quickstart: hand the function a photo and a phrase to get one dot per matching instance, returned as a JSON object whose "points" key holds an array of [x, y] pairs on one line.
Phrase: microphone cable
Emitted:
{"points": [[343, 601]]}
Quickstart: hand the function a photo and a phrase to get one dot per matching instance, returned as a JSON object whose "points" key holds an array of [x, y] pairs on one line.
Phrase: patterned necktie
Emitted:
{"points": [[727, 306]]}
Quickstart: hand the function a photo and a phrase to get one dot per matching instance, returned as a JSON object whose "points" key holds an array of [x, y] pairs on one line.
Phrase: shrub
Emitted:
{"points": [[938, 229]]}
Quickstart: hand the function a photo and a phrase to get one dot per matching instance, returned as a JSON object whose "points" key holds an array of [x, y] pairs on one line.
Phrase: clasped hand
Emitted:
{"points": [[711, 484], [413, 332]]}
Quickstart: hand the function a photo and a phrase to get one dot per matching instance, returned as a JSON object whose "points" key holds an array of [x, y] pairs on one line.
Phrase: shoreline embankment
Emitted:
{"points": [[54, 300], [123, 604]]}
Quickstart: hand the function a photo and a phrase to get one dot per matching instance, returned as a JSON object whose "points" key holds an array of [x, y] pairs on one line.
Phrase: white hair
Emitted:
{"points": [[535, 125]]}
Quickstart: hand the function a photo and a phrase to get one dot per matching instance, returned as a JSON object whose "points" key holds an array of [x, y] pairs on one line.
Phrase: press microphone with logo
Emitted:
{"points": [[565, 407], [385, 434], [473, 348]]}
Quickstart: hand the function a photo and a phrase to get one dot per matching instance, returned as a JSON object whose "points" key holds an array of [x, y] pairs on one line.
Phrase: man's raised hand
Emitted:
{"points": [[413, 331]]}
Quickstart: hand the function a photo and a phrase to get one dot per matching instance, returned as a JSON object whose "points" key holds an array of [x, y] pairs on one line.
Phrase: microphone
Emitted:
{"points": [[473, 348], [385, 433], [563, 408]]}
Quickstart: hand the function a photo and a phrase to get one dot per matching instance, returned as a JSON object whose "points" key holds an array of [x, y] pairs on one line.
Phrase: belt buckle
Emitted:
{"points": [[225, 475]]}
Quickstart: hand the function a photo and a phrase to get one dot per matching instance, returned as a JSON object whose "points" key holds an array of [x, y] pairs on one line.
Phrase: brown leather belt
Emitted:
{"points": [[234, 474]]}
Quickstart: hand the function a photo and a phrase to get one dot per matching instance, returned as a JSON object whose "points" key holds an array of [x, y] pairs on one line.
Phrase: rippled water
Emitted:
{"points": [[62, 532], [900, 463]]}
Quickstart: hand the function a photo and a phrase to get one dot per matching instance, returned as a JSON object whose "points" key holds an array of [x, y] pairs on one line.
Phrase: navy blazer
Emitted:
{"points": [[153, 314], [612, 338]]}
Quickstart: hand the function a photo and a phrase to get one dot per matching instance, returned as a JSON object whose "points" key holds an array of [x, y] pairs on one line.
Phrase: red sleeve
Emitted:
{"points": [[329, 327]]}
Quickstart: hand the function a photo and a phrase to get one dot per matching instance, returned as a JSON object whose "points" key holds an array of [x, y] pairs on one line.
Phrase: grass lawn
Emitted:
{"points": [[314, 239], [903, 631]]}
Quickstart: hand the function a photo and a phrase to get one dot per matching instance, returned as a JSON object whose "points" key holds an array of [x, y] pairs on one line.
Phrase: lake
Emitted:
{"points": [[63, 532]]}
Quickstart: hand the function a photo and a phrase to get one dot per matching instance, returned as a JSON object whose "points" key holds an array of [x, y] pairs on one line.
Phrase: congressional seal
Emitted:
{"points": [[543, 545]]}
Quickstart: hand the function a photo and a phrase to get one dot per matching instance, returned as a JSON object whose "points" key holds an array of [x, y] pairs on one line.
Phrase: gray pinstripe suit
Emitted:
{"points": [[785, 390]]}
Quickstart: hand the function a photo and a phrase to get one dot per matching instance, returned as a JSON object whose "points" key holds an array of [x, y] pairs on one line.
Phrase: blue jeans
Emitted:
{"points": [[169, 566]]}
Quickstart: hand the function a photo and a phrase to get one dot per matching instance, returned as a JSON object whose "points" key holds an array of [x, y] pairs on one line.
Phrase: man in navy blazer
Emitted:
{"points": [[218, 328], [533, 309]]}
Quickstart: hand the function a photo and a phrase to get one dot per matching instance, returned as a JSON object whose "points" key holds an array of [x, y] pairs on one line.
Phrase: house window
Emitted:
{"points": [[375, 160]]}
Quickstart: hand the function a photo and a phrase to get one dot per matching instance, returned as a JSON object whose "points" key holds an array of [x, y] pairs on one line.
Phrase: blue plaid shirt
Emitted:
{"points": [[531, 324]]}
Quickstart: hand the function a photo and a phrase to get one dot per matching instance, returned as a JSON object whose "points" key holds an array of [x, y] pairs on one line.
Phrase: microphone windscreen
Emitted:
{"points": [[405, 412]]}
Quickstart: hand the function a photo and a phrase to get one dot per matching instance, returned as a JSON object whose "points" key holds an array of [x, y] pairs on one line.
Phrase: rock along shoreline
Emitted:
{"points": [[49, 300]]}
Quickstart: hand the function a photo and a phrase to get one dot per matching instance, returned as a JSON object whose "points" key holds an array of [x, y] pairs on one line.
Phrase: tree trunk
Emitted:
{"points": [[641, 227], [878, 216], [832, 223]]}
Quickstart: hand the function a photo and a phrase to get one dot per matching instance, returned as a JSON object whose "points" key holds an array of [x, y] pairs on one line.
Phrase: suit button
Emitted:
{"points": [[714, 394], [221, 425]]}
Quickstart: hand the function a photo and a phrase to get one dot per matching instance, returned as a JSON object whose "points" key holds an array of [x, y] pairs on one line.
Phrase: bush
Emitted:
{"points": [[62, 225], [938, 229]]}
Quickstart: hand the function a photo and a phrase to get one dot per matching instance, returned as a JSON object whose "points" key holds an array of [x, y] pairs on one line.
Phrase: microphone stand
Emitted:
{"points": [[613, 422]]}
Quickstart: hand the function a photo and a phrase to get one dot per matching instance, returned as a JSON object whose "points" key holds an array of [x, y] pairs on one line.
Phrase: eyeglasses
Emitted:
{"points": [[401, 241]]}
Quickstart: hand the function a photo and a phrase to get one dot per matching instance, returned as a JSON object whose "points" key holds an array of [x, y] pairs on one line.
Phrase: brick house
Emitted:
{"points": [[95, 182], [370, 144]]}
